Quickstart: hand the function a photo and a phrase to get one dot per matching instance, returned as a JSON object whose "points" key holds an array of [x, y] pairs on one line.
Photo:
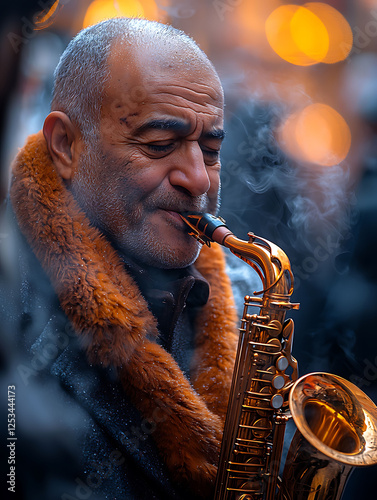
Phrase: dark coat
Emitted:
{"points": [[103, 410]]}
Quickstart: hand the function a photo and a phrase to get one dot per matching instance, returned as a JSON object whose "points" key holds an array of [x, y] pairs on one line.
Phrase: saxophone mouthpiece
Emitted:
{"points": [[206, 228]]}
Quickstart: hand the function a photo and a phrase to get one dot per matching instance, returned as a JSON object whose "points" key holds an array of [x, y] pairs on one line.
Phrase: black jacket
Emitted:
{"points": [[103, 410]]}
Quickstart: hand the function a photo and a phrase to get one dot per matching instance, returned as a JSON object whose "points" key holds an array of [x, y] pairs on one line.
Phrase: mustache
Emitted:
{"points": [[181, 203]]}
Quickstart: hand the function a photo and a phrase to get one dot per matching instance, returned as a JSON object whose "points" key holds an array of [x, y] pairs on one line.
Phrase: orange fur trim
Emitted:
{"points": [[108, 312]]}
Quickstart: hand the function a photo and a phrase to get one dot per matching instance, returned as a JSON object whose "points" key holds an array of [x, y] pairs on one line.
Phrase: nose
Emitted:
{"points": [[189, 171]]}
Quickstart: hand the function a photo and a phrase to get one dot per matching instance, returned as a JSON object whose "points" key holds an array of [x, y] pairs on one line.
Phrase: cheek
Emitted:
{"points": [[214, 177], [100, 190], [147, 173]]}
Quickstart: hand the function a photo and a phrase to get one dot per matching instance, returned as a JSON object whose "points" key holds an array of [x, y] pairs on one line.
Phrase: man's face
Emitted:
{"points": [[157, 155]]}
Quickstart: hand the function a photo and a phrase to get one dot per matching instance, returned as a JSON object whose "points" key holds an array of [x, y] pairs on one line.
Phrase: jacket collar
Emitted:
{"points": [[169, 294], [116, 328], [152, 280]]}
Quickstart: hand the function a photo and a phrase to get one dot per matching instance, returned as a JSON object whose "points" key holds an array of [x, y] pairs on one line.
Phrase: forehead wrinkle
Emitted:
{"points": [[207, 109], [127, 75], [207, 91]]}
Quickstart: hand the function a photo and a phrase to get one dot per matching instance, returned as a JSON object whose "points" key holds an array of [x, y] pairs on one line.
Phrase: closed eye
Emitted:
{"points": [[158, 148], [212, 155]]}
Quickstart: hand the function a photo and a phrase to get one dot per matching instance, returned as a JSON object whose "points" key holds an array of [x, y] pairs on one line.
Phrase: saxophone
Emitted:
{"points": [[336, 422]]}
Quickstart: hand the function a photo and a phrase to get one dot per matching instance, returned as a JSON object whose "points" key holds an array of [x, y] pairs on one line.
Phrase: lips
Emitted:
{"points": [[175, 217], [173, 213]]}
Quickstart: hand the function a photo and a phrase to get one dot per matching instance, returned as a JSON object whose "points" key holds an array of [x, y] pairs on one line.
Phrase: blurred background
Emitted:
{"points": [[300, 155]]}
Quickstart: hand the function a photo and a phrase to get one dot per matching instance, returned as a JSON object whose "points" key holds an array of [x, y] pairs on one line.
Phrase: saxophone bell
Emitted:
{"points": [[336, 431]]}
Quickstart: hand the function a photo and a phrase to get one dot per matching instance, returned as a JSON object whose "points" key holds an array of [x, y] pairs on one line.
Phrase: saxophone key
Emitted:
{"points": [[282, 363], [277, 401], [278, 382]]}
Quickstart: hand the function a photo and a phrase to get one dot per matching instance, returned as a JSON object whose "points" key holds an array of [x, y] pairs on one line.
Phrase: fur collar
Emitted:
{"points": [[112, 318]]}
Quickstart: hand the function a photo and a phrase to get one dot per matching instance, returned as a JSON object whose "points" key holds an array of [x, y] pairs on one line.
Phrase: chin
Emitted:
{"points": [[156, 249], [176, 259], [170, 258]]}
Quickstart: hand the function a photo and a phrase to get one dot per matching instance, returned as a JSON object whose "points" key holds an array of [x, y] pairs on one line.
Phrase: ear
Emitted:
{"points": [[63, 142]]}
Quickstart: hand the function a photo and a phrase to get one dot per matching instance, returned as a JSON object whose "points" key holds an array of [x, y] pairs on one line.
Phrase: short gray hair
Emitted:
{"points": [[82, 72]]}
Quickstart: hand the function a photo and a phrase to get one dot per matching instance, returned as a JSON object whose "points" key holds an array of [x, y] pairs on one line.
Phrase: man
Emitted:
{"points": [[128, 333]]}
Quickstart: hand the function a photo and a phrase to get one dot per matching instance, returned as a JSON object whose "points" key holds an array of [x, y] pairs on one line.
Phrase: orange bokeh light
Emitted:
{"points": [[309, 34], [338, 29], [317, 134], [296, 35], [99, 10], [306, 35]]}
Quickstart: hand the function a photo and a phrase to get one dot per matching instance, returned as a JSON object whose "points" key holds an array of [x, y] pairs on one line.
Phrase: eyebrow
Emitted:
{"points": [[178, 126], [217, 133], [163, 124]]}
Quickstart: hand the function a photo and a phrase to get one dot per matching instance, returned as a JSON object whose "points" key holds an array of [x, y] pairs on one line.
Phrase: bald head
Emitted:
{"points": [[84, 69]]}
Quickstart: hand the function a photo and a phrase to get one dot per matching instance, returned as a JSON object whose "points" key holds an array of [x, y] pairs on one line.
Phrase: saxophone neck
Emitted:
{"points": [[269, 261]]}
